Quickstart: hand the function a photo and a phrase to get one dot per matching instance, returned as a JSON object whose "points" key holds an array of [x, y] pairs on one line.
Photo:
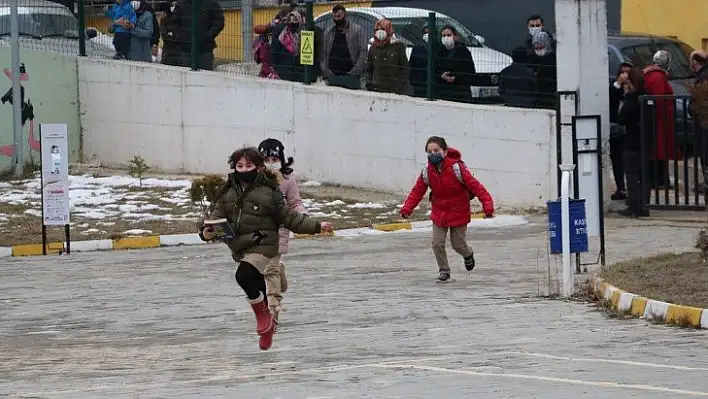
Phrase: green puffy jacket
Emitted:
{"points": [[256, 212]]}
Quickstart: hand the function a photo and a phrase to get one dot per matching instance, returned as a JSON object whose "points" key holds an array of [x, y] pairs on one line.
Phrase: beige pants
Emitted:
{"points": [[458, 240], [273, 282]]}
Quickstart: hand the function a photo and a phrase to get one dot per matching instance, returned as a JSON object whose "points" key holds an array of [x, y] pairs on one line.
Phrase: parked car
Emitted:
{"points": [[408, 24], [49, 27], [639, 48]]}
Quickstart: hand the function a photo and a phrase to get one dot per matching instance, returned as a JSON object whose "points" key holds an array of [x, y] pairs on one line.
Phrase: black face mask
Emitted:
{"points": [[340, 22], [246, 177], [293, 26]]}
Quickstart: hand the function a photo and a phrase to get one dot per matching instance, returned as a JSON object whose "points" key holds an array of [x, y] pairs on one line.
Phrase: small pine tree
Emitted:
{"points": [[204, 191], [137, 167]]}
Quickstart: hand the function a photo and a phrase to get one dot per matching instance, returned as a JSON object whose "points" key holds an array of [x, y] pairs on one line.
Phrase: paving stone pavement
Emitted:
{"points": [[363, 319]]}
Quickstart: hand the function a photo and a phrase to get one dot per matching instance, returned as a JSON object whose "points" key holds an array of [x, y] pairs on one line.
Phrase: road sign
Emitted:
{"points": [[307, 47]]}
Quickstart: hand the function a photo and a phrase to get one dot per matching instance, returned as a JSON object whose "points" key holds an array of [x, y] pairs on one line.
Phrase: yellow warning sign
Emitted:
{"points": [[307, 47]]}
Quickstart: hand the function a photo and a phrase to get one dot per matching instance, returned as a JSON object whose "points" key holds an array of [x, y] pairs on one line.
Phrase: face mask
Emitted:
{"points": [[172, 8], [273, 166], [340, 22], [435, 158], [534, 29], [448, 42], [381, 34], [425, 37], [541, 52], [135, 5], [246, 177]]}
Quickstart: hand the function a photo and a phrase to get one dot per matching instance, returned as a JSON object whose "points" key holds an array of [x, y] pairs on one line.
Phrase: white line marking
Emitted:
{"points": [[605, 384], [613, 361]]}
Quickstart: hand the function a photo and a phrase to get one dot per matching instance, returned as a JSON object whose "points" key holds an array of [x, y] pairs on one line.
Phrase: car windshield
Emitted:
{"points": [[680, 67], [42, 25], [410, 29]]}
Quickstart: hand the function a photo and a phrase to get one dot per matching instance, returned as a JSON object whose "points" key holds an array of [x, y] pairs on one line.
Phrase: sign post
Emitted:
{"points": [[53, 144]]}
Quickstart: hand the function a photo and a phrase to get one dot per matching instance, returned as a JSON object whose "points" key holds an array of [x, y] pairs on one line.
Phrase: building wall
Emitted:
{"points": [[685, 19], [187, 122], [51, 96]]}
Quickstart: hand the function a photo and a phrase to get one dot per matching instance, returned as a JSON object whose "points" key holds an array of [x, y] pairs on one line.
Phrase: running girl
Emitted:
{"points": [[255, 207], [451, 184]]}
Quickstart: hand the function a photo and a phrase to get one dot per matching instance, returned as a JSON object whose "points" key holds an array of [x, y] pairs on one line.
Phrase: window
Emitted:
{"points": [[643, 55], [613, 62], [44, 23]]}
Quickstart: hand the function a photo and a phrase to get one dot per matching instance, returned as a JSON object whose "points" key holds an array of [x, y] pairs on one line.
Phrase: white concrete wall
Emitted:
{"points": [[187, 122]]}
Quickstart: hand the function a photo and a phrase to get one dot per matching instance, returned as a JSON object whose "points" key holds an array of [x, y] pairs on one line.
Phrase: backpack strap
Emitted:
{"points": [[458, 172], [424, 175]]}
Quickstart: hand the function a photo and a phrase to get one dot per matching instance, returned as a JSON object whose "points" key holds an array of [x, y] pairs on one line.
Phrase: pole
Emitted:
{"points": [[82, 28], [565, 229], [18, 153], [432, 55], [310, 26], [195, 50], [247, 29]]}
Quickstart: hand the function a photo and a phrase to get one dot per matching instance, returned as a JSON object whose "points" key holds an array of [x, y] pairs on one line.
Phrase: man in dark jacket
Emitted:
{"points": [[418, 66], [536, 24], [617, 133], [210, 22], [171, 49], [517, 82]]}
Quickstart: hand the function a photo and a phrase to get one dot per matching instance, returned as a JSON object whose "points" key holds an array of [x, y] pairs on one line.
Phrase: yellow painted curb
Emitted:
{"points": [[136, 242], [478, 215], [684, 315], [639, 304], [36, 249], [298, 236], [615, 299], [393, 226]]}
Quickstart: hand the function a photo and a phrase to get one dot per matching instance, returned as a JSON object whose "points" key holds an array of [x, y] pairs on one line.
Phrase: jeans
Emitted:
{"points": [[638, 192]]}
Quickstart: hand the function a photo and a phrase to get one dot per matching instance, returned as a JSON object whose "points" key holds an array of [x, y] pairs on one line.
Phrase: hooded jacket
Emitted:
{"points": [[657, 83], [450, 199], [288, 185]]}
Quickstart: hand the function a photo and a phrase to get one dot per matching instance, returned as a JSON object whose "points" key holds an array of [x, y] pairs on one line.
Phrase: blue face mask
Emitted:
{"points": [[435, 158]]}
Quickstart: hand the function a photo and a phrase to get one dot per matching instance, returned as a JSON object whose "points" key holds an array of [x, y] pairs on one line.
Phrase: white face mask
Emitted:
{"points": [[541, 52], [381, 34], [534, 29], [425, 37], [273, 166], [135, 4], [448, 42]]}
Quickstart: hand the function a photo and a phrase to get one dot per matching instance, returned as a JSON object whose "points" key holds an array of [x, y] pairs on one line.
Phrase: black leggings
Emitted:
{"points": [[251, 281]]}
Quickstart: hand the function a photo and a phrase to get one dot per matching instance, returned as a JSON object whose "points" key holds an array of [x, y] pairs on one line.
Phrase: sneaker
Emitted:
{"points": [[443, 278], [469, 263]]}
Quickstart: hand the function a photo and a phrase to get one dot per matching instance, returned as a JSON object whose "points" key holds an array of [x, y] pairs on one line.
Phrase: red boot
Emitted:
{"points": [[264, 320], [266, 339]]}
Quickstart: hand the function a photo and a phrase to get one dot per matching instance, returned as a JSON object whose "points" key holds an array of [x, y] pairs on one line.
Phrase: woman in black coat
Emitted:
{"points": [[456, 70]]}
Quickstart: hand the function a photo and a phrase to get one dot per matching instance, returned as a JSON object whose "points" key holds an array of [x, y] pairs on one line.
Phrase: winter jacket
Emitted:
{"points": [[140, 38], [547, 74], [458, 61], [699, 102], [629, 116], [171, 52], [616, 95], [450, 199], [518, 85], [288, 185], [210, 24], [418, 70], [657, 83], [357, 43], [387, 68], [286, 64], [123, 9], [256, 213]]}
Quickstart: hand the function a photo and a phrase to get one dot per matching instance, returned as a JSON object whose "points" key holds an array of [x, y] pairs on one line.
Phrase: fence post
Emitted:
{"points": [[432, 54], [310, 26], [82, 28], [196, 39], [18, 154], [247, 29]]}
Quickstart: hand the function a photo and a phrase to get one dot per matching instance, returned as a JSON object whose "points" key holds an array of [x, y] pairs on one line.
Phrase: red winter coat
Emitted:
{"points": [[657, 82], [450, 199]]}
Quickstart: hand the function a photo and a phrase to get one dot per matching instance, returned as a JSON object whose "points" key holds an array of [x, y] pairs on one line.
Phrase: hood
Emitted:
{"points": [[654, 68], [454, 154]]}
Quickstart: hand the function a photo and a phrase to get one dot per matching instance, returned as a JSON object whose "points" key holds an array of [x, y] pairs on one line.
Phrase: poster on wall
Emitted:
{"points": [[55, 173]]}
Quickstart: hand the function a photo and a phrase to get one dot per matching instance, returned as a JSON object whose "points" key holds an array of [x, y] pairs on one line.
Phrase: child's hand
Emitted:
{"points": [[326, 226]]}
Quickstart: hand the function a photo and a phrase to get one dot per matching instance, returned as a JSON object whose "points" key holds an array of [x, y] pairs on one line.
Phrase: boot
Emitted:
{"points": [[264, 320], [283, 280], [265, 341]]}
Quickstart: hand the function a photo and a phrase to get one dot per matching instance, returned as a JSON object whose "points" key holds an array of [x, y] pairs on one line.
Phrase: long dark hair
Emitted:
{"points": [[437, 140], [250, 153], [636, 79]]}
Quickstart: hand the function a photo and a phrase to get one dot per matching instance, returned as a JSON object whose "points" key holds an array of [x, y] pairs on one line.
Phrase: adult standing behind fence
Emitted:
{"points": [[617, 131], [141, 35], [456, 70], [418, 65], [171, 52], [543, 61], [387, 67], [699, 102], [345, 51], [285, 48], [210, 24]]}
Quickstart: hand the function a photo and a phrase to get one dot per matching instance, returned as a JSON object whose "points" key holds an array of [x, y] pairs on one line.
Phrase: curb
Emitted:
{"points": [[174, 240], [638, 306]]}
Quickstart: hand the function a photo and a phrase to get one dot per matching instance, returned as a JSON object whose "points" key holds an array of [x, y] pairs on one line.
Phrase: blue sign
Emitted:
{"points": [[578, 229]]}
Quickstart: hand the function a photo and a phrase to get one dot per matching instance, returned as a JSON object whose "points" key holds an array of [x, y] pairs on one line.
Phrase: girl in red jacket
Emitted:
{"points": [[451, 184]]}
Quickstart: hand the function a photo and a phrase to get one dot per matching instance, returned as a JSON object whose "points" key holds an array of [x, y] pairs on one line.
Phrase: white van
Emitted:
{"points": [[408, 23]]}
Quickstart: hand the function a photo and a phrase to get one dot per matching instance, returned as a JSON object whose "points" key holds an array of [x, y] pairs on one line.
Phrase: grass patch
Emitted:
{"points": [[680, 279]]}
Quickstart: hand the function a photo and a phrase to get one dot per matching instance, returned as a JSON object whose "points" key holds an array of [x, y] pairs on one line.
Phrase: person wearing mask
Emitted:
{"points": [[387, 65], [418, 66], [285, 48], [663, 143], [345, 51], [517, 82], [617, 134], [699, 106], [543, 61], [141, 35], [122, 20], [155, 39], [210, 23], [535, 24], [171, 53], [456, 69], [629, 116]]}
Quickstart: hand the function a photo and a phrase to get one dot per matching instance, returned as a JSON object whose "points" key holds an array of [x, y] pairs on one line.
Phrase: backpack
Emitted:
{"points": [[458, 173]]}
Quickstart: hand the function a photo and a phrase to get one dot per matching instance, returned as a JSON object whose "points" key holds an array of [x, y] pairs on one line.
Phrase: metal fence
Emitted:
{"points": [[673, 151]]}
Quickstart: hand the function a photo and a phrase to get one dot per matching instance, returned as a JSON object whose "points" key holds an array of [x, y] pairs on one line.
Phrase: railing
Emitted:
{"points": [[673, 151]]}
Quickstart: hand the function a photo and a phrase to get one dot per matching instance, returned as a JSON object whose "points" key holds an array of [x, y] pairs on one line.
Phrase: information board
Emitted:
{"points": [[55, 174]]}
